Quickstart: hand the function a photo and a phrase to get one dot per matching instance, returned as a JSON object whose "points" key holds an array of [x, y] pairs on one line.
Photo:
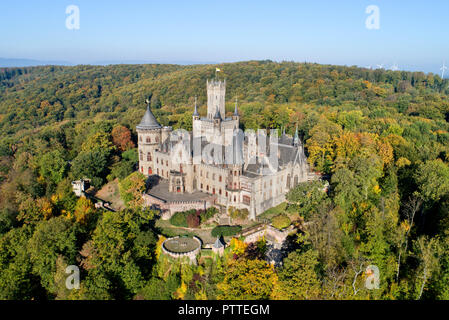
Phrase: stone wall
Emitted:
{"points": [[191, 254]]}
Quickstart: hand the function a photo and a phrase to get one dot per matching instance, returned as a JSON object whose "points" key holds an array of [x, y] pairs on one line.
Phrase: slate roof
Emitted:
{"points": [[218, 243], [148, 121]]}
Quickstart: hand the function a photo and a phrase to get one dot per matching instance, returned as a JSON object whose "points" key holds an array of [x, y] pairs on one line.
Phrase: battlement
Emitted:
{"points": [[216, 83]]}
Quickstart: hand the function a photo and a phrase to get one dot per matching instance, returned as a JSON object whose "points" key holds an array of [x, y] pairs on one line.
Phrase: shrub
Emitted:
{"points": [[225, 231], [280, 221], [209, 213], [238, 213], [193, 220], [179, 219]]}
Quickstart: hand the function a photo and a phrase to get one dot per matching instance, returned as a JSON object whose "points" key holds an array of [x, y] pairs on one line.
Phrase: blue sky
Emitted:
{"points": [[413, 34]]}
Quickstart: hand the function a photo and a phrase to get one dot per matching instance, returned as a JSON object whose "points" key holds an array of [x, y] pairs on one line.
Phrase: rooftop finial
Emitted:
{"points": [[148, 100]]}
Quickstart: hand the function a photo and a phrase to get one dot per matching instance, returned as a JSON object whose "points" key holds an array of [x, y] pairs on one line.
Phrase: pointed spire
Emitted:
{"points": [[148, 120], [236, 113], [195, 113], [296, 138]]}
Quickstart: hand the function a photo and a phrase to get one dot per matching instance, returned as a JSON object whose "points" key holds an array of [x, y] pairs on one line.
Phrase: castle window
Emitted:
{"points": [[219, 191], [150, 171], [162, 172], [148, 139], [207, 188], [246, 200], [166, 163], [235, 199], [219, 178], [201, 186], [226, 194], [213, 190], [149, 156], [207, 175]]}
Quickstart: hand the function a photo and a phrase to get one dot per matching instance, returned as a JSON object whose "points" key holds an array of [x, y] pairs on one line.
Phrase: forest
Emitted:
{"points": [[380, 138]]}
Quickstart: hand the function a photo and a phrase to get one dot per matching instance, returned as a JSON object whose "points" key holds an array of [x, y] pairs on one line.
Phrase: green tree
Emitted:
{"points": [[298, 279]]}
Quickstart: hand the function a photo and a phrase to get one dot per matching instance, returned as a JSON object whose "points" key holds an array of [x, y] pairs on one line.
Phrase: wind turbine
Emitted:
{"points": [[443, 68]]}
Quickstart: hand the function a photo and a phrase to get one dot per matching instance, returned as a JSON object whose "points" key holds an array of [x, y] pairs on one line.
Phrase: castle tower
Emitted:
{"points": [[149, 133], [216, 91]]}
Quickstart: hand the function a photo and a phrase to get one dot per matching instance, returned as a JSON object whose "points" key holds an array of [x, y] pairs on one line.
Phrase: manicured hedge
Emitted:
{"points": [[281, 221], [225, 231], [192, 218]]}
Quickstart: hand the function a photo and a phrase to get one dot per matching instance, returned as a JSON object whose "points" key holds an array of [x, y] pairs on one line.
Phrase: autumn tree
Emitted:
{"points": [[121, 138], [247, 280]]}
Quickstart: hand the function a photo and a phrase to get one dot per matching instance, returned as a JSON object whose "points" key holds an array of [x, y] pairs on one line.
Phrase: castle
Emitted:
{"points": [[217, 164]]}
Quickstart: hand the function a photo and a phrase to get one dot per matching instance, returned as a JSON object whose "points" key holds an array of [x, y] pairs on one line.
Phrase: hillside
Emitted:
{"points": [[380, 138]]}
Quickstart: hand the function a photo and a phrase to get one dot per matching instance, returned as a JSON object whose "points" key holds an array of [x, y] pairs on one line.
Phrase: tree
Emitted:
{"points": [[122, 250], [427, 252], [432, 178], [298, 279], [121, 138], [131, 189], [92, 165], [247, 280], [306, 196], [51, 239], [53, 166]]}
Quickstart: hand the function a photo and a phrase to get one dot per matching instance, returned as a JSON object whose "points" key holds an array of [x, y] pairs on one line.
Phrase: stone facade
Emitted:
{"points": [[223, 168]]}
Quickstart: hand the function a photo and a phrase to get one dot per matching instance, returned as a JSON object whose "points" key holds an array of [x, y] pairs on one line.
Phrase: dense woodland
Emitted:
{"points": [[380, 138]]}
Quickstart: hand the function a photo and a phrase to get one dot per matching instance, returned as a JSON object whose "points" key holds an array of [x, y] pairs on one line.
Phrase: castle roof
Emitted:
{"points": [[218, 243], [148, 121]]}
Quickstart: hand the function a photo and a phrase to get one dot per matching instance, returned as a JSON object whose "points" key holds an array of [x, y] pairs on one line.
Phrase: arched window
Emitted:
{"points": [[149, 156], [287, 185], [296, 180], [148, 139]]}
